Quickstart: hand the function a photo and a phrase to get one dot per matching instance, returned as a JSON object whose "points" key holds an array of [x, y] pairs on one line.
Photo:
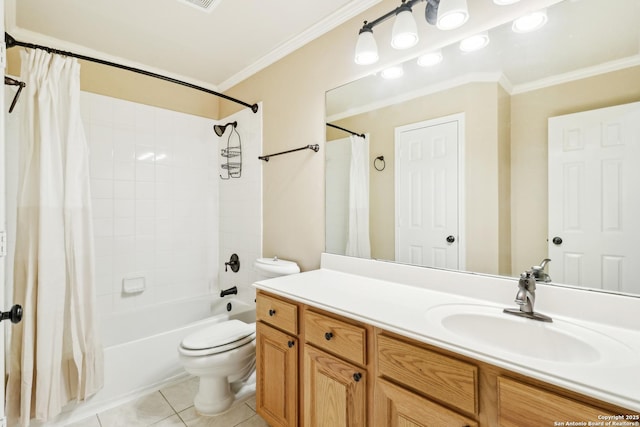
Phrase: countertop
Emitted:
{"points": [[402, 309]]}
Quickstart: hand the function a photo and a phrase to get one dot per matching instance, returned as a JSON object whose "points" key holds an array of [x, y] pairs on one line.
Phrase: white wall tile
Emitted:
{"points": [[155, 215]]}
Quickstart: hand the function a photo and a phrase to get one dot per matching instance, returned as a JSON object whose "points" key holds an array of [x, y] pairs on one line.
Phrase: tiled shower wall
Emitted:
{"points": [[162, 214], [155, 194]]}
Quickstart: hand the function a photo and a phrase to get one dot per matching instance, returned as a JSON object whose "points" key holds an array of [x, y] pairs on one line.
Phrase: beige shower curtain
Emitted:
{"points": [[55, 353]]}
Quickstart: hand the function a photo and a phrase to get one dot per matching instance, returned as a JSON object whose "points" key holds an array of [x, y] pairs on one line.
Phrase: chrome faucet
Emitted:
{"points": [[538, 271], [526, 298]]}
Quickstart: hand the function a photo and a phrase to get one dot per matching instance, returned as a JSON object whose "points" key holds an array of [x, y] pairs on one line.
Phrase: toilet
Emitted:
{"points": [[223, 355]]}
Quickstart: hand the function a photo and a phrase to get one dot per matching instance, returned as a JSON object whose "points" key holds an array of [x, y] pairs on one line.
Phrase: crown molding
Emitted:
{"points": [[337, 18], [583, 73], [496, 77]]}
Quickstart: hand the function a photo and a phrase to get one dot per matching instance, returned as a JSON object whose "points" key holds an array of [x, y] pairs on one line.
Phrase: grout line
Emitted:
{"points": [[167, 400]]}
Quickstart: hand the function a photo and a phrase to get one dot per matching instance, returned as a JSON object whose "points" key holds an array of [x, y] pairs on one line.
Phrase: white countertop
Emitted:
{"points": [[402, 308]]}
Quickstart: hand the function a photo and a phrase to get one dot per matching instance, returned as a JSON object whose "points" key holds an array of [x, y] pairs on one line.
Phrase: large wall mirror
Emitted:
{"points": [[497, 159]]}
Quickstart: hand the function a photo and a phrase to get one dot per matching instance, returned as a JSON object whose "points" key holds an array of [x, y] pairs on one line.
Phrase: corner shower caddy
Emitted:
{"points": [[232, 151]]}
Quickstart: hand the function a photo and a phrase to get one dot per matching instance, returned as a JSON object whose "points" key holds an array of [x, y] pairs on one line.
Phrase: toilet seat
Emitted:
{"points": [[218, 338]]}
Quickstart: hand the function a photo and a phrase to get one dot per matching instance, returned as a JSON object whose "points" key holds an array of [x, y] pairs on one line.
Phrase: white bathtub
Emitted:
{"points": [[140, 348]]}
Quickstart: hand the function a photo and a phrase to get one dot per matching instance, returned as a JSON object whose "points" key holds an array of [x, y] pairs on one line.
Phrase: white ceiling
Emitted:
{"points": [[216, 50]]}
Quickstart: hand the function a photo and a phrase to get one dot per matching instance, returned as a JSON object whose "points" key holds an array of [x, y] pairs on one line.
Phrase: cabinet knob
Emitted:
{"points": [[272, 312], [357, 376], [290, 344], [328, 336]]}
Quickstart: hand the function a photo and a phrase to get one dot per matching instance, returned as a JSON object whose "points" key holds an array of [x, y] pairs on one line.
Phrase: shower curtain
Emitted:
{"points": [[358, 234], [55, 353]]}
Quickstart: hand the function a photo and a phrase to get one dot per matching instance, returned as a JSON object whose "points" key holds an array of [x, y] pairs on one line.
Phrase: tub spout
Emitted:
{"points": [[230, 291]]}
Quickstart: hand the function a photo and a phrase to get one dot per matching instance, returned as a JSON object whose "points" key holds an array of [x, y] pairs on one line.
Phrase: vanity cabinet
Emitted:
{"points": [[318, 369], [518, 401], [277, 354], [335, 391], [335, 371], [397, 406]]}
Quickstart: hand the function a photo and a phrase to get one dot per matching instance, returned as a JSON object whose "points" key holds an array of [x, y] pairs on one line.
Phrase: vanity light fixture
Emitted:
{"points": [[405, 32], [366, 47], [393, 72], [473, 43], [430, 59], [444, 14], [452, 14], [530, 22]]}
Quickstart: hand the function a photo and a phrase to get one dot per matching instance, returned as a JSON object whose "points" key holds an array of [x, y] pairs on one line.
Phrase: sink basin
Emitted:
{"points": [[492, 330]]}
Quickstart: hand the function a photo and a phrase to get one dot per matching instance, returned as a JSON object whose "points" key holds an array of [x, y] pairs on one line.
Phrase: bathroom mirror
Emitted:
{"points": [[502, 98]]}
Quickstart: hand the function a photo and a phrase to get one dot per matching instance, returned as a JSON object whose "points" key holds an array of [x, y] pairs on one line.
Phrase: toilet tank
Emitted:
{"points": [[268, 268]]}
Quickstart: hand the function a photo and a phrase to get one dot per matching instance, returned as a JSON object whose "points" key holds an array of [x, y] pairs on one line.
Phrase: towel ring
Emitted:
{"points": [[379, 159]]}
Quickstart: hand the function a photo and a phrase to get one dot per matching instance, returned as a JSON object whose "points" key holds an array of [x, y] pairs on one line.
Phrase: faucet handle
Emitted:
{"points": [[527, 280]]}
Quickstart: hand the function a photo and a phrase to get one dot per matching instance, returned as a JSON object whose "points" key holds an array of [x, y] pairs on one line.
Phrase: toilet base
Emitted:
{"points": [[216, 396]]}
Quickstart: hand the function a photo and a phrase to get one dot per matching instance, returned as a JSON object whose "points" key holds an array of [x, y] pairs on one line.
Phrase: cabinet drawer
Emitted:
{"points": [[395, 406], [276, 312], [518, 402], [341, 338], [446, 379]]}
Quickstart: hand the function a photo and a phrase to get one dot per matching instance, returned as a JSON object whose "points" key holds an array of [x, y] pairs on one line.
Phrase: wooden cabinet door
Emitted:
{"points": [[520, 404], [397, 407], [277, 376], [335, 391]]}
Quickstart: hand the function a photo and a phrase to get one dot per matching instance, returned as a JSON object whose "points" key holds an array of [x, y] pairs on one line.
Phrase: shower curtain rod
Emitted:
{"points": [[11, 42], [346, 130]]}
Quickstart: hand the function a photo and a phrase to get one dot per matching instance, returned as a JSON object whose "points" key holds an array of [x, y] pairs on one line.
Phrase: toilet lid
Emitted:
{"points": [[229, 334]]}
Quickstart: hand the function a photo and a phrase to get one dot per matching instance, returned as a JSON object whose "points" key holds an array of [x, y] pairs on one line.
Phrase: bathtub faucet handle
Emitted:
{"points": [[234, 263]]}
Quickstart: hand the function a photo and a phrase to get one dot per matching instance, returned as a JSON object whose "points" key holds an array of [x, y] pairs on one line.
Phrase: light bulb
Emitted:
{"points": [[393, 72], [452, 14], [366, 48], [405, 32], [430, 59], [474, 43], [530, 22]]}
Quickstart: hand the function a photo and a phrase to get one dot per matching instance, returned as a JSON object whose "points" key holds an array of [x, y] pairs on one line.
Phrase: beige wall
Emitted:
{"points": [[480, 103], [530, 112], [504, 182], [122, 84]]}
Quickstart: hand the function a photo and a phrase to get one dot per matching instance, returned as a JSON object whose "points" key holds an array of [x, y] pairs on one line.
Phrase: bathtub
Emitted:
{"points": [[140, 348]]}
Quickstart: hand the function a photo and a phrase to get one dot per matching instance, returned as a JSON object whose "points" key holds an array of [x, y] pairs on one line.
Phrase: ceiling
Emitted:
{"points": [[215, 49]]}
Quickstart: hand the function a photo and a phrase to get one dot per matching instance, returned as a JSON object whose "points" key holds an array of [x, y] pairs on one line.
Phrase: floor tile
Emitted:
{"points": [[91, 421], [180, 396], [232, 417], [172, 421], [141, 412], [252, 403], [255, 421]]}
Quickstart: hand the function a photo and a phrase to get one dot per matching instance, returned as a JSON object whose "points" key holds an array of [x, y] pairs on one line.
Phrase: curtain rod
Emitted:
{"points": [[11, 42], [346, 130]]}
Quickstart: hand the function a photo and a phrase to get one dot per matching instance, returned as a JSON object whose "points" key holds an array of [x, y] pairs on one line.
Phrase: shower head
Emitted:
{"points": [[219, 130]]}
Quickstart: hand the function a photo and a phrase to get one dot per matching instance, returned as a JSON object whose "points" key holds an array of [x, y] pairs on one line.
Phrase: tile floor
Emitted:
{"points": [[172, 407]]}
